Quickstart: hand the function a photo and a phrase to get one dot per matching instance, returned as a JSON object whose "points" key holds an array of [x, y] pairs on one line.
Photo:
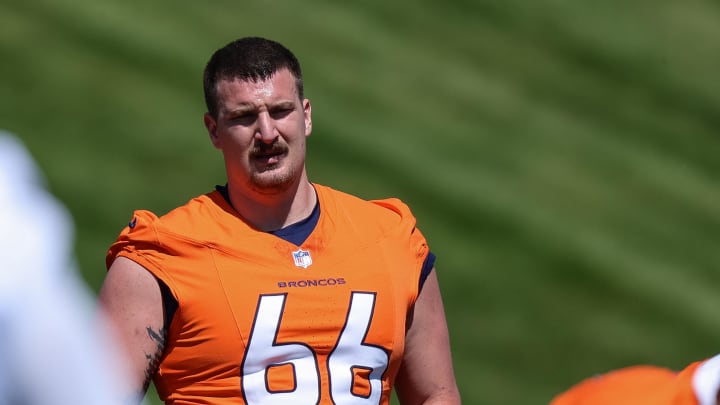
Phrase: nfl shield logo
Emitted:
{"points": [[302, 258]]}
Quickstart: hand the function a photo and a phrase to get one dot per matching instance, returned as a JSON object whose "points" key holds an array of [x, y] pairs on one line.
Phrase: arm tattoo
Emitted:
{"points": [[154, 358]]}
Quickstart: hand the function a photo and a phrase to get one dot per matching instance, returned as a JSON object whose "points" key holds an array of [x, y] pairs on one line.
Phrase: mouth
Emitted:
{"points": [[268, 156]]}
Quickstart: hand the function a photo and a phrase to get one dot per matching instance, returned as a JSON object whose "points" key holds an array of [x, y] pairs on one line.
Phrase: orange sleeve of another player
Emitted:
{"points": [[637, 385]]}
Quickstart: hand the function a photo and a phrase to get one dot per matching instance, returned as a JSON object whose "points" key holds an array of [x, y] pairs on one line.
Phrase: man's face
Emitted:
{"points": [[261, 129]]}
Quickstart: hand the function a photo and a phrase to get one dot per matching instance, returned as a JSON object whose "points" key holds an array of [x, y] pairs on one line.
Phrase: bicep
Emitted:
{"points": [[426, 375], [131, 299]]}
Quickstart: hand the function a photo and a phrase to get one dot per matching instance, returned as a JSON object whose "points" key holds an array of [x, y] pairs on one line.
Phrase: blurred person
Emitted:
{"points": [[697, 384], [272, 289], [52, 350]]}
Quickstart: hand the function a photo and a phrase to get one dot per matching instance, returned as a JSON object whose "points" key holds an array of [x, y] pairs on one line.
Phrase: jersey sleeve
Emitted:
{"points": [[405, 224], [697, 384], [139, 242]]}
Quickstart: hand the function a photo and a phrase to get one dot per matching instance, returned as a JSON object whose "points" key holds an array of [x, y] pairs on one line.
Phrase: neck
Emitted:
{"points": [[276, 210]]}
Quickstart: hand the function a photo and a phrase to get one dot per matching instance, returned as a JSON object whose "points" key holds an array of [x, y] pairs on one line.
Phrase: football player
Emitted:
{"points": [[272, 289]]}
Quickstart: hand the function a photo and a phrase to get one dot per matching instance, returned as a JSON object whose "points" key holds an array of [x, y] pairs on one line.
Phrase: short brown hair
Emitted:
{"points": [[249, 58]]}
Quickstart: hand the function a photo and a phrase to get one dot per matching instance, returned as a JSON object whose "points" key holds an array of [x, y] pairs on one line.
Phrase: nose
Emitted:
{"points": [[265, 131]]}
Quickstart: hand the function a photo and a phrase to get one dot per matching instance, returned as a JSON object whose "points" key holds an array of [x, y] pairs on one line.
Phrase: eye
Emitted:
{"points": [[280, 112], [244, 119]]}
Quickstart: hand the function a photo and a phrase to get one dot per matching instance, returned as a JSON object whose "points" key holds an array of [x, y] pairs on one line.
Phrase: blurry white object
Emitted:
{"points": [[53, 349]]}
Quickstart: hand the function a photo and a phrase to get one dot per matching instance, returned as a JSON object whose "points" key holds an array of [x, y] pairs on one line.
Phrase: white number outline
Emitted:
{"points": [[352, 345], [254, 368], [263, 352]]}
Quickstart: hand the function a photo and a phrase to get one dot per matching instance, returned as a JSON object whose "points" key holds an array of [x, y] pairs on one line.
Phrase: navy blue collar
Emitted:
{"points": [[295, 233]]}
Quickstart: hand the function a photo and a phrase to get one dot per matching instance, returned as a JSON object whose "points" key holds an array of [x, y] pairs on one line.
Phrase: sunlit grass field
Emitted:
{"points": [[563, 158]]}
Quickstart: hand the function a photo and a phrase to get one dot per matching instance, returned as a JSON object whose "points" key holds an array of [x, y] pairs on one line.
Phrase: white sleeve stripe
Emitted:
{"points": [[706, 381]]}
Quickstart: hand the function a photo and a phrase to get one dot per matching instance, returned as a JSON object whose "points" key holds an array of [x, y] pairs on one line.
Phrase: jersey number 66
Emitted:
{"points": [[264, 352]]}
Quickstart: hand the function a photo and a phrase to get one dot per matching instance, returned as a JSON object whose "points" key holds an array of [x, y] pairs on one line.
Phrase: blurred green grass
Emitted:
{"points": [[562, 157]]}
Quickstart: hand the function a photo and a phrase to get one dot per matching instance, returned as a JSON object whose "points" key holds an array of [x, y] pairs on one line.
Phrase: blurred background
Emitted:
{"points": [[563, 158]]}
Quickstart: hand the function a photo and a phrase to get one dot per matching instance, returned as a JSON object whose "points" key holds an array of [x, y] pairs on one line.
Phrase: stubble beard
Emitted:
{"points": [[273, 180], [277, 177]]}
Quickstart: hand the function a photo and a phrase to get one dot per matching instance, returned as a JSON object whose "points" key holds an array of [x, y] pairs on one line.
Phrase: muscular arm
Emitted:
{"points": [[132, 300], [426, 375]]}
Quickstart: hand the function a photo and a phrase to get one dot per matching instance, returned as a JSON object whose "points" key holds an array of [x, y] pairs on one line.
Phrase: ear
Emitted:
{"points": [[307, 111], [211, 126]]}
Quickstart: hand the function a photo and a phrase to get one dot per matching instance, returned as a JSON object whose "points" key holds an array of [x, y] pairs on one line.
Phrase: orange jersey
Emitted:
{"points": [[263, 321], [697, 384]]}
